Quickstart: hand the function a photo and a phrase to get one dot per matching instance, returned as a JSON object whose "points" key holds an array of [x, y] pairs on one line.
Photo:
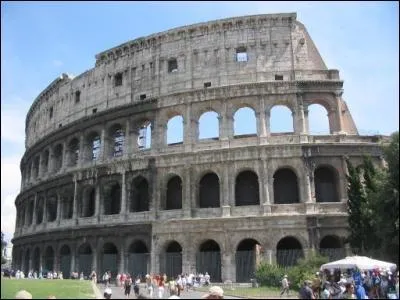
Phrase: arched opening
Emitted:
{"points": [[144, 136], [36, 260], [45, 161], [209, 191], [39, 210], [281, 120], [208, 260], [174, 193], [30, 212], [112, 199], [36, 167], [244, 122], [51, 208], [67, 201], [246, 189], [65, 261], [318, 122], [93, 146], [332, 247], [288, 251], [109, 259], [140, 195], [58, 157], [26, 261], [209, 125], [175, 130], [117, 135], [73, 152], [325, 185], [88, 202], [139, 259], [285, 187], [172, 260], [246, 260], [85, 259], [48, 260]]}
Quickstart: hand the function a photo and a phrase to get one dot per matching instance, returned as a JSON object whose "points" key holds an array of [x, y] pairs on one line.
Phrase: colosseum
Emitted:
{"points": [[104, 189]]}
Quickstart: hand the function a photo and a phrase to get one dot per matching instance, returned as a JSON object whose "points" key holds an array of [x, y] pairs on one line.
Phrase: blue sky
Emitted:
{"points": [[41, 40]]}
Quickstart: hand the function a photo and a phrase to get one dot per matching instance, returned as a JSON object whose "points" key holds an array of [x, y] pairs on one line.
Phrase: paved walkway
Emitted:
{"points": [[118, 293]]}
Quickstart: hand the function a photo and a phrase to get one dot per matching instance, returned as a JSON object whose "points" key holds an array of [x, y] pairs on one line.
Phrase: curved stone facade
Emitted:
{"points": [[99, 193]]}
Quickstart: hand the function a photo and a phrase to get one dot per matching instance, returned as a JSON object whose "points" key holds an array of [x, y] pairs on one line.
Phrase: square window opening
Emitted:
{"points": [[172, 65], [77, 96], [94, 110], [118, 79], [207, 84], [241, 54], [142, 96], [278, 77], [51, 112]]}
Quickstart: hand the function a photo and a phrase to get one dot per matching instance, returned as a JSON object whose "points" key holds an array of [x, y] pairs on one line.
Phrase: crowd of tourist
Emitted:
{"points": [[353, 284]]}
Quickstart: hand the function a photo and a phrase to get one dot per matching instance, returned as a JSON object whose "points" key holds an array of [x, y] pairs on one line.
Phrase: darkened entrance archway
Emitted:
{"points": [[288, 251], [209, 191], [246, 189], [26, 261], [331, 246], [85, 259], [36, 260], [325, 185], [208, 259], [109, 259], [112, 199], [171, 260], [246, 260], [285, 187], [48, 260], [174, 193], [65, 261], [138, 260], [139, 195]]}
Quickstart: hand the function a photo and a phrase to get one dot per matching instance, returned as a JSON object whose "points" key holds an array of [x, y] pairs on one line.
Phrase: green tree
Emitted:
{"points": [[3, 245], [356, 200]]}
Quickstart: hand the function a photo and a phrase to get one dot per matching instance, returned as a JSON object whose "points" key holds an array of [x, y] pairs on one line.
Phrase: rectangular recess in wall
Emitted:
{"points": [[278, 77], [94, 110], [142, 96], [207, 84]]}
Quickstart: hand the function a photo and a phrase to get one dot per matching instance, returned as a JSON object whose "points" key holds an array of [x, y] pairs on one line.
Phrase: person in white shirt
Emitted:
{"points": [[207, 278], [285, 286]]}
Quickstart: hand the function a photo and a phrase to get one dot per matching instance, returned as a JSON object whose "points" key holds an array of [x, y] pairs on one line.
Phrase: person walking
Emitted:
{"points": [[285, 285], [128, 286]]}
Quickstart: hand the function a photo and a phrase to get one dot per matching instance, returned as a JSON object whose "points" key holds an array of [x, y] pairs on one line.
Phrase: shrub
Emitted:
{"points": [[271, 275]]}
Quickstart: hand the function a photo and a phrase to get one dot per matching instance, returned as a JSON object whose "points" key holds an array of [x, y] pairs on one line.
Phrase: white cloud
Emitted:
{"points": [[10, 186], [57, 63]]}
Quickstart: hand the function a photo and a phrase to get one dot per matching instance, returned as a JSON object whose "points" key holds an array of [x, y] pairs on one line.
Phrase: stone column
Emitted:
{"points": [[121, 265], [155, 255], [338, 98], [343, 181], [123, 210], [81, 158], [73, 259], [265, 200], [59, 208], [187, 128], [94, 259], [34, 211], [269, 256], [40, 172], [306, 122], [268, 123], [225, 196], [228, 269], [223, 130], [300, 115], [64, 156], [102, 156], [75, 213], [127, 141], [98, 209], [44, 210], [56, 263], [187, 200], [51, 161], [261, 120]]}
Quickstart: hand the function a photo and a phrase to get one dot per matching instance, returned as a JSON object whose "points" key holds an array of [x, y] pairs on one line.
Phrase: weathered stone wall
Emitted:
{"points": [[62, 181]]}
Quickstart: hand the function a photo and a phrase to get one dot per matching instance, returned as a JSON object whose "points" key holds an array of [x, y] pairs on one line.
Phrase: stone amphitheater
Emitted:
{"points": [[103, 188]]}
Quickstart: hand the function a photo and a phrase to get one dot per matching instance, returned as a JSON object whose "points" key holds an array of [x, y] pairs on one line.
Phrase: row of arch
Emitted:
{"points": [[247, 192], [90, 148], [138, 257]]}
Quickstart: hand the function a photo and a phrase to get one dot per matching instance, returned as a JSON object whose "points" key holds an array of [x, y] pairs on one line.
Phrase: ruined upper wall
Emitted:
{"points": [[205, 54]]}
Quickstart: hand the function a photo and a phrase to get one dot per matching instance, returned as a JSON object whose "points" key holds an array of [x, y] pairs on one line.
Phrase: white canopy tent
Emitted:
{"points": [[360, 262]]}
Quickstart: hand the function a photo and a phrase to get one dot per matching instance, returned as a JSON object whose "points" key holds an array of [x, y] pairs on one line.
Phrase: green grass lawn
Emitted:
{"points": [[42, 288]]}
